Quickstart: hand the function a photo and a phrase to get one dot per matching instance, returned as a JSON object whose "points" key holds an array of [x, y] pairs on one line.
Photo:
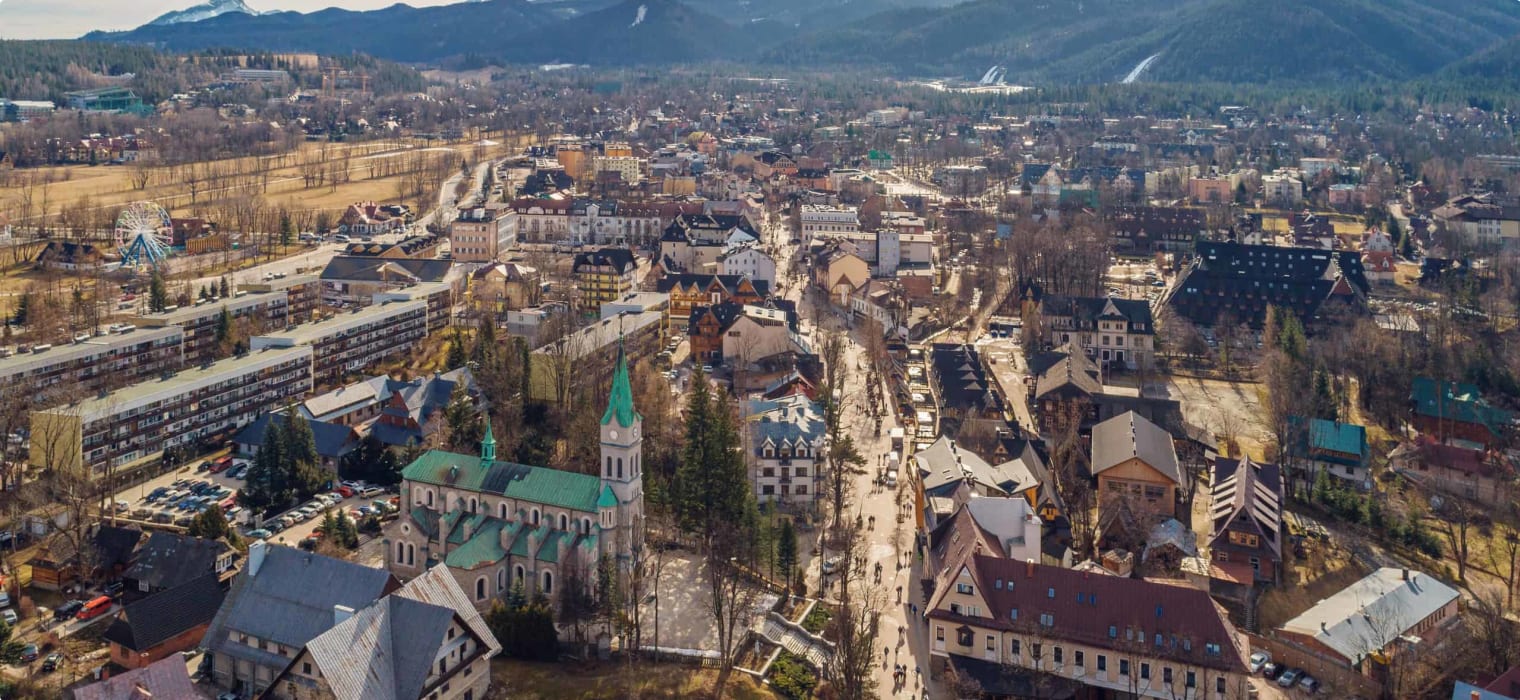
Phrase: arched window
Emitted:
{"points": [[548, 583], [430, 497], [501, 580], [411, 555], [535, 516], [400, 552], [474, 505], [620, 467], [585, 526], [609, 467], [564, 522], [502, 510], [518, 574], [480, 588]]}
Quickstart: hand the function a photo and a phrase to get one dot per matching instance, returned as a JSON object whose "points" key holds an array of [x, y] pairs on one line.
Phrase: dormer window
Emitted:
{"points": [[769, 451]]}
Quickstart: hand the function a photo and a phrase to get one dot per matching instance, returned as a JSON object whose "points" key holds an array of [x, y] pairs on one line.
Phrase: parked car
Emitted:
{"points": [[114, 588], [260, 534], [1309, 684], [344, 491], [1259, 659], [1289, 677], [1270, 670], [67, 610], [203, 466], [371, 491], [10, 616], [30, 652], [50, 664], [831, 565]]}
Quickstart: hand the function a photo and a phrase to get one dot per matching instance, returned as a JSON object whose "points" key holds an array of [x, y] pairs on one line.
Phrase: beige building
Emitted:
{"points": [[481, 234], [1011, 626], [627, 167]]}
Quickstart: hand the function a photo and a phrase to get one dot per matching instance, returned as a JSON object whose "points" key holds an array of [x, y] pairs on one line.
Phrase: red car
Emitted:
{"points": [[221, 465], [344, 491]]}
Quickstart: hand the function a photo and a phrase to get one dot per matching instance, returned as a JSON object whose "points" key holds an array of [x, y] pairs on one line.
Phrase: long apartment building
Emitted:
{"points": [[303, 294], [136, 423], [261, 311], [351, 342], [441, 298], [54, 375], [819, 218]]}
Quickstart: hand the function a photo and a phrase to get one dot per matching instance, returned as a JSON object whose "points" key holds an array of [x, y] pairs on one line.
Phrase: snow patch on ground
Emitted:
{"points": [[639, 19]]}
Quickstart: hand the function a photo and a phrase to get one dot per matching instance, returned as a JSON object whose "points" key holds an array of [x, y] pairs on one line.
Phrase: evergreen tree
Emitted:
{"points": [[226, 289], [224, 326], [456, 357], [301, 443], [786, 550], [23, 309], [211, 524], [712, 491], [266, 485], [463, 421], [158, 294], [287, 229]]}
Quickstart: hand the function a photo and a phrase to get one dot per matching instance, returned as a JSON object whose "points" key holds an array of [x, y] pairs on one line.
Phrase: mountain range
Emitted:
{"points": [[204, 11], [1037, 41]]}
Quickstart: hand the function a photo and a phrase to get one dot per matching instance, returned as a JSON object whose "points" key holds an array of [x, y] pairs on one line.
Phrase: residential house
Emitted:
{"points": [[759, 334], [170, 560], [1138, 476], [205, 340], [1236, 282], [1282, 190], [1022, 629], [421, 247], [1246, 516], [949, 475], [706, 328], [1487, 220], [351, 279], [817, 219], [56, 563], [371, 219], [1146, 229], [167, 678], [70, 372], [497, 525], [837, 273], [1389, 613], [353, 342], [334, 440], [962, 388], [748, 261], [1505, 687], [69, 256], [688, 291], [693, 241], [998, 527], [1378, 256], [356, 404], [1485, 476], [784, 439], [282, 599], [587, 357], [1118, 333], [423, 641], [502, 287], [1457, 413], [1338, 449], [164, 624], [604, 275]]}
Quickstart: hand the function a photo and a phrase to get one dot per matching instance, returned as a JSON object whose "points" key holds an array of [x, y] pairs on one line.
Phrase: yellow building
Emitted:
{"points": [[604, 275]]}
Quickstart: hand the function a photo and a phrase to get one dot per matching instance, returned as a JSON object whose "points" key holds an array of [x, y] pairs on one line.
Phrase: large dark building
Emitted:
{"points": [[1239, 281]]}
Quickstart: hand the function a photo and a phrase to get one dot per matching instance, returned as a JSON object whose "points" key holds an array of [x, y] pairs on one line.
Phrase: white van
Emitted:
{"points": [[892, 479]]}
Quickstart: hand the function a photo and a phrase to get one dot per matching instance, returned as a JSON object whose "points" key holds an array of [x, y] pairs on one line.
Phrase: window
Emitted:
{"points": [[998, 584], [1051, 593], [1211, 649], [1057, 656], [991, 643], [1244, 539], [1124, 667], [963, 588], [548, 583], [306, 668], [480, 588], [1166, 675], [1145, 671], [1113, 632], [1191, 679], [1013, 648], [1102, 664], [767, 490], [1079, 659], [939, 634], [1013, 614], [1047, 620]]}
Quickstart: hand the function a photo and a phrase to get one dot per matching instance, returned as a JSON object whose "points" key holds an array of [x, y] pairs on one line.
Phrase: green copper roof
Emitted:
{"points": [[483, 547], [608, 499], [620, 403], [488, 444], [551, 487], [549, 550]]}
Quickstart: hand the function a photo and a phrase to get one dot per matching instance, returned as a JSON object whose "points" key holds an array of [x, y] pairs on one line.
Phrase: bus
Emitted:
{"points": [[94, 608]]}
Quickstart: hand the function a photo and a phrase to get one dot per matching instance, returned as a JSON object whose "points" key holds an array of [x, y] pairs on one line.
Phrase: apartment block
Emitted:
{"points": [[353, 341], [138, 422], [53, 375], [818, 218], [303, 294], [441, 298], [259, 311], [482, 234]]}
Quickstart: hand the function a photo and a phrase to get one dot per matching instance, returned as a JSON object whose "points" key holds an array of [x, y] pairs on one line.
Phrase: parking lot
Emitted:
{"points": [[175, 508]]}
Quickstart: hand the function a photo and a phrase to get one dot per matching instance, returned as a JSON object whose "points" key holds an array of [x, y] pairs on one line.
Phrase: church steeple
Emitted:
{"points": [[620, 401], [487, 446]]}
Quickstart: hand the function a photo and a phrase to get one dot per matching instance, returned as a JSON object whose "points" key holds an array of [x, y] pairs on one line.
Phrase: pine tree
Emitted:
{"points": [[226, 289], [301, 443], [224, 326], [266, 484], [786, 550], [23, 309], [287, 229], [456, 357], [712, 492], [158, 295]]}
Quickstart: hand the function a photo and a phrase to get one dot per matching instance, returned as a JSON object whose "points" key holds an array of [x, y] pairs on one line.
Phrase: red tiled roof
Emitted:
{"points": [[1084, 608]]}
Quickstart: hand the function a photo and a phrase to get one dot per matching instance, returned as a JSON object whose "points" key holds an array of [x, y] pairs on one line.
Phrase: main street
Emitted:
{"points": [[889, 542]]}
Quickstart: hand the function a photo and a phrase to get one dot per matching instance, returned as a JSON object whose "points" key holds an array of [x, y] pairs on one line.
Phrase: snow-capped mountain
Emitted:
{"points": [[203, 11]]}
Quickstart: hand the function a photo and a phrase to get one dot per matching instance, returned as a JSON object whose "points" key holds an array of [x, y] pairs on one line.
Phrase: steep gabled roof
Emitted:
{"points": [[1130, 436], [1369, 614], [1246, 496], [159, 617]]}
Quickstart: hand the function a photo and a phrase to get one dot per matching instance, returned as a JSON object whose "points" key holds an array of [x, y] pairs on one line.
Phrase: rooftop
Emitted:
{"points": [[1364, 617], [98, 345], [144, 393], [308, 333]]}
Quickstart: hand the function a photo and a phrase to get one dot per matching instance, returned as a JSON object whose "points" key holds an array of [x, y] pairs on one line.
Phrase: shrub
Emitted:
{"points": [[791, 677]]}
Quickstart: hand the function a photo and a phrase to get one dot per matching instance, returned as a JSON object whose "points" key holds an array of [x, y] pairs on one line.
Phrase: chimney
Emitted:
{"points": [[1322, 627], [1406, 574], [256, 552], [341, 613], [1029, 568]]}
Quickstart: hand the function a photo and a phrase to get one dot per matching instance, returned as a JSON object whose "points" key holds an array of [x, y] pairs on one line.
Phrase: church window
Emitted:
{"points": [[535, 516], [430, 497], [480, 588], [548, 583], [501, 509], [564, 522], [474, 505], [609, 467], [519, 573], [619, 467], [400, 552]]}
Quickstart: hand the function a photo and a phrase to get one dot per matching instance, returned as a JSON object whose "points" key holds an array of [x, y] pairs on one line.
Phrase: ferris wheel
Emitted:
{"points": [[141, 234]]}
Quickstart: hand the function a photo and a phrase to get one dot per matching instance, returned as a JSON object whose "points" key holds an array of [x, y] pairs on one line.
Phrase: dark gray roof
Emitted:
{"points": [[383, 652], [1127, 436], [333, 440], [290, 599], [621, 259], [169, 559], [159, 617], [165, 678], [368, 269]]}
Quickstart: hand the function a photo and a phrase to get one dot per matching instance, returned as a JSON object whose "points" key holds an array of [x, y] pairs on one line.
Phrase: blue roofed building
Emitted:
{"points": [[1338, 449], [495, 524], [784, 437]]}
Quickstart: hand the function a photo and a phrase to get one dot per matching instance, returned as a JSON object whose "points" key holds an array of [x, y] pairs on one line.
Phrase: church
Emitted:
{"points": [[495, 524]]}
